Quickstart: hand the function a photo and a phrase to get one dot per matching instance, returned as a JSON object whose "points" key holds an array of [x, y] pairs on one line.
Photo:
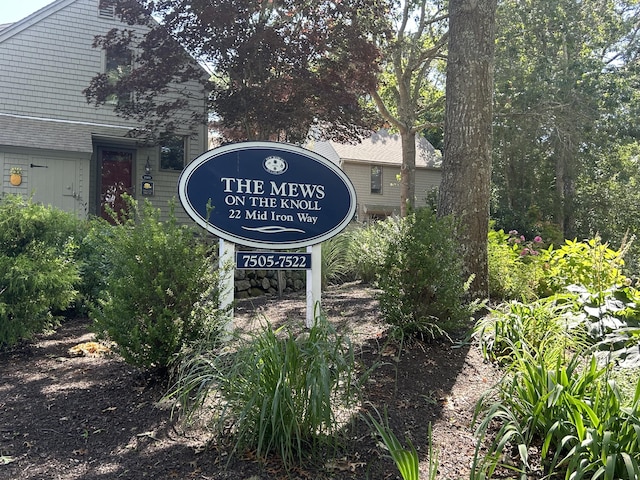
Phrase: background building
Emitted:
{"points": [[72, 154]]}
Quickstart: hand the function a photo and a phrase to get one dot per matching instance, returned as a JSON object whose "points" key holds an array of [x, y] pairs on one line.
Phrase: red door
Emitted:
{"points": [[116, 178]]}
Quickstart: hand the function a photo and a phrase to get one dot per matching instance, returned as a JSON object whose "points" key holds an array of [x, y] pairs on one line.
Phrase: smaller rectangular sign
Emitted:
{"points": [[147, 188], [273, 261]]}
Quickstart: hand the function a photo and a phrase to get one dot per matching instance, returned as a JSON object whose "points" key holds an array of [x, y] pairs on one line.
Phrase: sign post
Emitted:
{"points": [[225, 263], [314, 284], [269, 195]]}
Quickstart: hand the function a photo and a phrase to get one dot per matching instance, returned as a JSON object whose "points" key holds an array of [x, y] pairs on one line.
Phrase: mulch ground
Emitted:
{"points": [[67, 417]]}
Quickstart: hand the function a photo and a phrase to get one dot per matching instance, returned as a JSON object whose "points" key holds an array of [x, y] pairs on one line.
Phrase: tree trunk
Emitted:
{"points": [[408, 171], [465, 186]]}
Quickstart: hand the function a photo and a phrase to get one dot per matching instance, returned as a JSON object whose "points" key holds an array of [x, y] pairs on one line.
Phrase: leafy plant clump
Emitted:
{"points": [[406, 459], [336, 264], [572, 412], [368, 248], [161, 288], [591, 263], [421, 279], [279, 390], [514, 266], [511, 326], [37, 273]]}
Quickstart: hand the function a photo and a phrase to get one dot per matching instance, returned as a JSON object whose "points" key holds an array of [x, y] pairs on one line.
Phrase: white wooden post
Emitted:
{"points": [[314, 283], [226, 264]]}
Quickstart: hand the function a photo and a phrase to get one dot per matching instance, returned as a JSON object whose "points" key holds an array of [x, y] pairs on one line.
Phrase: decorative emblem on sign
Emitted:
{"points": [[267, 194], [275, 165]]}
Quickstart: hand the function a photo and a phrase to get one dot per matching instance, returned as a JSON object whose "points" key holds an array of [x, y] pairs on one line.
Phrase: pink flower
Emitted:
{"points": [[524, 252], [513, 232], [522, 239], [538, 239]]}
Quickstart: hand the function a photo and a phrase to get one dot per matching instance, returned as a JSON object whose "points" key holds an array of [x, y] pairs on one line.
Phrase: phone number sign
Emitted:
{"points": [[267, 194]]}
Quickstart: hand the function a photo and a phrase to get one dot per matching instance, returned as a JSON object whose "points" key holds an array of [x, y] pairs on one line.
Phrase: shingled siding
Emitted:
{"points": [[46, 61], [360, 174]]}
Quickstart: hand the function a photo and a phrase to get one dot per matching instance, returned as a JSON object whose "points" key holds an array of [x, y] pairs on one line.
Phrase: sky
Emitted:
{"points": [[14, 10]]}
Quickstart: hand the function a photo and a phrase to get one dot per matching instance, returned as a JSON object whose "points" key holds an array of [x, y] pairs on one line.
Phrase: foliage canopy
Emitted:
{"points": [[279, 67]]}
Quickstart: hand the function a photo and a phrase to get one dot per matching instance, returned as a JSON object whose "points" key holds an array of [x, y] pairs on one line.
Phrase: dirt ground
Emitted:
{"points": [[65, 417]]}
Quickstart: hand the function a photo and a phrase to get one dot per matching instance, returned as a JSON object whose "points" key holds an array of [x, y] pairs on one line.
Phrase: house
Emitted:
{"points": [[373, 165], [72, 154]]}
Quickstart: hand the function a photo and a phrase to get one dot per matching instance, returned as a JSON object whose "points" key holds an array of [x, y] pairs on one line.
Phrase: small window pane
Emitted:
{"points": [[376, 179], [118, 65], [172, 152]]}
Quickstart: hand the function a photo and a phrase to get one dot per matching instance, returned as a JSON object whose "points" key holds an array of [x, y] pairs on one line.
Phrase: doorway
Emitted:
{"points": [[116, 178]]}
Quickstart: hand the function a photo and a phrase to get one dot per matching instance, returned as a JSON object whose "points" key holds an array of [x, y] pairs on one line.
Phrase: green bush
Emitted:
{"points": [[161, 287], [509, 326], [279, 390], [368, 247], [336, 265], [37, 274], [515, 268], [423, 290], [92, 258], [572, 411], [591, 263]]}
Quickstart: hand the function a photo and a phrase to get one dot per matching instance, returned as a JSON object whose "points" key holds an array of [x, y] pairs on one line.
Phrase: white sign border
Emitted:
{"points": [[206, 156]]}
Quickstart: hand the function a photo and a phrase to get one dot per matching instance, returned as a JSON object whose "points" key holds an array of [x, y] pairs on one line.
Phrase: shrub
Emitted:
{"points": [[591, 264], [92, 257], [514, 265], [160, 291], [279, 390], [423, 291], [541, 402], [37, 274], [368, 247], [336, 266], [509, 326]]}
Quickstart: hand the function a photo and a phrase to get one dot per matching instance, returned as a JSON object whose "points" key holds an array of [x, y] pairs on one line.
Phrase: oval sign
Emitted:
{"points": [[267, 194]]}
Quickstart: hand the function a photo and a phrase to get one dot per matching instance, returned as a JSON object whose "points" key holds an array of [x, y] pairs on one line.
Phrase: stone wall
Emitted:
{"points": [[254, 283]]}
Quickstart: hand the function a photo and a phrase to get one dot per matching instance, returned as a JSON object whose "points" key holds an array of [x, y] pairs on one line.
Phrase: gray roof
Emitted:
{"points": [[325, 149], [16, 131], [381, 147]]}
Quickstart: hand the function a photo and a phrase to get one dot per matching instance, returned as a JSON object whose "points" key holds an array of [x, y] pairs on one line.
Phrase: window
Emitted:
{"points": [[172, 152], [376, 179], [118, 65]]}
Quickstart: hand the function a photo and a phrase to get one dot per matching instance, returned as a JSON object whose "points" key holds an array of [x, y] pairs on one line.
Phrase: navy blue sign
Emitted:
{"points": [[266, 194]]}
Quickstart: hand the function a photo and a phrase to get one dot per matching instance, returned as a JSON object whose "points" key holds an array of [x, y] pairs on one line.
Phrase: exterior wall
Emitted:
{"points": [[360, 175], [427, 180], [46, 64], [48, 178]]}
